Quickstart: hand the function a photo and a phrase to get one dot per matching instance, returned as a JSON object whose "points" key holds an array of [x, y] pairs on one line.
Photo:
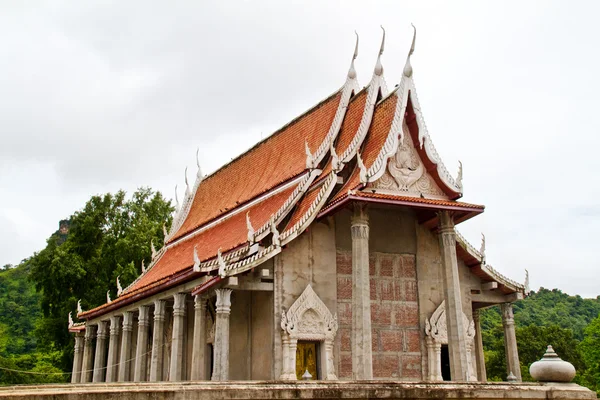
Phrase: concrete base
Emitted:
{"points": [[300, 389]]}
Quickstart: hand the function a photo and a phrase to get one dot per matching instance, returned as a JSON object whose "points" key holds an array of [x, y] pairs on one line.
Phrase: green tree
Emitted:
{"points": [[109, 237], [590, 352]]}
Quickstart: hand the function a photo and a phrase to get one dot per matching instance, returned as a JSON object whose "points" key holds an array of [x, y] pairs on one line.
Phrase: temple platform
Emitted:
{"points": [[298, 390]]}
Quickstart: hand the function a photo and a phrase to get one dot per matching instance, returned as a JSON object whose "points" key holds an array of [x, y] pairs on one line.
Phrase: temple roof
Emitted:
{"points": [[336, 152]]}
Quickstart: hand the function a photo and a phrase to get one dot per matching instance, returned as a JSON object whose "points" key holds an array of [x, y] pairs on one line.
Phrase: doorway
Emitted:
{"points": [[445, 355], [307, 359]]}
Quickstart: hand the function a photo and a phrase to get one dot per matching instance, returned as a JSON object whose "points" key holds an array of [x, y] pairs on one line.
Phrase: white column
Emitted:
{"points": [[199, 341], [176, 367], [479, 355], [113, 349], [156, 366], [141, 352], [510, 341], [87, 368], [77, 358], [362, 359], [100, 358], [221, 345], [125, 356], [457, 346]]}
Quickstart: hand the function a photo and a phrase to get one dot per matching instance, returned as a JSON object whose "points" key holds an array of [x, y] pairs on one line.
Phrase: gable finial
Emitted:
{"points": [[482, 248], [527, 290], [352, 71], [71, 323], [250, 228], [152, 248], [378, 66], [187, 185], [196, 259], [79, 309], [222, 264], [165, 234], [407, 67], [199, 173], [364, 178], [119, 287], [143, 266], [335, 160], [310, 160], [108, 299], [459, 176], [275, 239], [176, 200]]}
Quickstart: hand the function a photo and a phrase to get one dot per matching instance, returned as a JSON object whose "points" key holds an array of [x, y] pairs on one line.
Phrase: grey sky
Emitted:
{"points": [[98, 96]]}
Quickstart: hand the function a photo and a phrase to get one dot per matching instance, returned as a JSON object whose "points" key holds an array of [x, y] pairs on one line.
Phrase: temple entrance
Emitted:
{"points": [[307, 354], [445, 363]]}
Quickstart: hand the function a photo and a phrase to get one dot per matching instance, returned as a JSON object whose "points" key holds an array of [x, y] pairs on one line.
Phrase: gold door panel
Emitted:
{"points": [[306, 359]]}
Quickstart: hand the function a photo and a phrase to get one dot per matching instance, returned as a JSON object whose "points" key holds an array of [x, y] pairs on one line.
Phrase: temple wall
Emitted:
{"points": [[262, 335], [394, 306], [239, 335]]}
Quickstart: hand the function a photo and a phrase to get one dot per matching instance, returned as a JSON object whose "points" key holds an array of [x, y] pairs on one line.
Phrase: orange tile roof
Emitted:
{"points": [[351, 122], [303, 206], [271, 162]]}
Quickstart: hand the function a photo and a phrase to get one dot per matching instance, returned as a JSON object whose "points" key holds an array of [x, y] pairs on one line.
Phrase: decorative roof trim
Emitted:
{"points": [[486, 268], [154, 261]]}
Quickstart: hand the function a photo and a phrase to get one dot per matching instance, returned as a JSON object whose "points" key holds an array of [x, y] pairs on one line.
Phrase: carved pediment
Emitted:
{"points": [[309, 318], [436, 327], [405, 173]]}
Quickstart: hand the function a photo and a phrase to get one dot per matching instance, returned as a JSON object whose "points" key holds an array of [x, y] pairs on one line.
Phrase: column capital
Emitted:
{"points": [[179, 304], [79, 339], [223, 301], [144, 316], [476, 315], [128, 321], [115, 326], [445, 221], [508, 317], [102, 331], [90, 333], [200, 302], [360, 215], [159, 310]]}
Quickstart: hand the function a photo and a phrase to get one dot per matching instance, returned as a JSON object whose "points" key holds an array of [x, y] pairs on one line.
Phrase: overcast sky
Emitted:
{"points": [[99, 96]]}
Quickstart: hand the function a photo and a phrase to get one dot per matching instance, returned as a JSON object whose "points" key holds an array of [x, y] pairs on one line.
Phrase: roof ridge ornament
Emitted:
{"points": [[187, 185], [196, 259], [408, 70], [364, 177], [176, 200], [378, 67], [222, 264], [459, 176], [108, 299], [143, 266], [482, 248], [165, 233], [335, 160], [152, 249], [199, 173], [71, 323], [310, 159], [79, 309], [527, 289], [119, 287], [250, 228], [275, 240], [352, 70]]}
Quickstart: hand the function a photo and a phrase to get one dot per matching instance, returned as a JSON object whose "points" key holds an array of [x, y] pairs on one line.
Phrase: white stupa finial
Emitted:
{"points": [[310, 160], [250, 228], [196, 260], [378, 66], [143, 266], [79, 309], [275, 239], [119, 287], [222, 265], [199, 173], [459, 176], [152, 248], [71, 323], [482, 248], [108, 300], [187, 185], [364, 178], [408, 71], [352, 71]]}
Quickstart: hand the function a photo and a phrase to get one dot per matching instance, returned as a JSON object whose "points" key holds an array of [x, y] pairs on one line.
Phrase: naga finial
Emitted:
{"points": [[250, 228], [143, 266], [71, 323], [152, 248], [275, 239], [408, 71], [176, 200], [527, 290], [79, 309], [364, 178], [196, 259], [335, 160], [378, 66], [352, 71], [187, 185], [459, 176], [310, 160], [108, 300], [482, 248], [165, 233], [222, 264], [199, 173], [119, 287]]}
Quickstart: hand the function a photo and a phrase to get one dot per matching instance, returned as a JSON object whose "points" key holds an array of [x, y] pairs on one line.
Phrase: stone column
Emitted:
{"points": [[221, 345], [113, 349], [100, 358], [141, 352], [77, 358], [457, 346], [510, 341], [199, 340], [176, 367], [125, 356], [479, 355], [88, 354], [362, 359], [156, 366]]}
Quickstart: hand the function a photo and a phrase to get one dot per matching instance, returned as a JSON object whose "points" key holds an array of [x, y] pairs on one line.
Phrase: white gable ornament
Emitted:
{"points": [[436, 332], [308, 319]]}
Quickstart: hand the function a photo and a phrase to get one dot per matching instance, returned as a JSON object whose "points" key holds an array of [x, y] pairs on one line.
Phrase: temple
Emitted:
{"points": [[328, 251]]}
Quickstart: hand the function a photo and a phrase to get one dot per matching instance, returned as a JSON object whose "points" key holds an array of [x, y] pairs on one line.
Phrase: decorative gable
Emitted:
{"points": [[405, 174]]}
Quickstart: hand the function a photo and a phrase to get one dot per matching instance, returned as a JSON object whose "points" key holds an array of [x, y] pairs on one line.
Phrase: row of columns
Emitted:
{"points": [[98, 365]]}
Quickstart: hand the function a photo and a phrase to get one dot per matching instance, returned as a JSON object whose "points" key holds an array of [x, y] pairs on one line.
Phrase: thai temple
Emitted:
{"points": [[328, 251]]}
